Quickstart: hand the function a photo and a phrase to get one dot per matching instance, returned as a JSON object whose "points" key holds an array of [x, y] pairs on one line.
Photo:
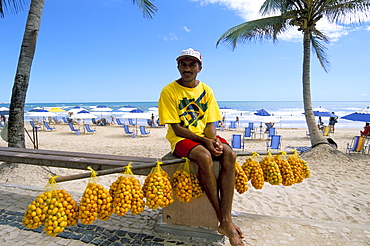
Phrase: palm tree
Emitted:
{"points": [[16, 113], [303, 15]]}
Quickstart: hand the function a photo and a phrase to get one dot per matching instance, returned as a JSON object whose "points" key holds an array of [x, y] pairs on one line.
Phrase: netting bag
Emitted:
{"points": [[271, 171], [253, 170]]}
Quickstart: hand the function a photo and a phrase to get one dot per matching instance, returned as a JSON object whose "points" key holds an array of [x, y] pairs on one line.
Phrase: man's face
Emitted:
{"points": [[189, 68]]}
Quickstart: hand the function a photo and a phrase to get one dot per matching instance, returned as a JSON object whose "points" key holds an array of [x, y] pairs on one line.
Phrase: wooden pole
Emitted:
{"points": [[140, 165]]}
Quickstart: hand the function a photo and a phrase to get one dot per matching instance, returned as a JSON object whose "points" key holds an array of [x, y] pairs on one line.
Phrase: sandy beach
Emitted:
{"points": [[332, 207]]}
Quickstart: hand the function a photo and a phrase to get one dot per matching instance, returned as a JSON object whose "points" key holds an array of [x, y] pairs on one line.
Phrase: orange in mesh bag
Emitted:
{"points": [[271, 170], [127, 194], [185, 184], [254, 171], [94, 197], [299, 167], [285, 169], [241, 179], [157, 188]]}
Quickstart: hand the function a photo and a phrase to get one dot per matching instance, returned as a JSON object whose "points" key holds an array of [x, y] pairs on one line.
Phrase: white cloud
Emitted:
{"points": [[169, 37], [249, 10], [186, 29], [364, 95]]}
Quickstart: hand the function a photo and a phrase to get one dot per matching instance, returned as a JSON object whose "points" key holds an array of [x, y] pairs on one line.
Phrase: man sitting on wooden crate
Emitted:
{"points": [[190, 109]]}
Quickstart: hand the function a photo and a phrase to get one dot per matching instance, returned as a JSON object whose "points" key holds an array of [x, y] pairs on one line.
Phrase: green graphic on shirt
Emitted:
{"points": [[193, 110]]}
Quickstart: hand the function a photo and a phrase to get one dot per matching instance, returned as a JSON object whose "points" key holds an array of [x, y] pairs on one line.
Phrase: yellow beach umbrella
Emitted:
{"points": [[56, 109]]}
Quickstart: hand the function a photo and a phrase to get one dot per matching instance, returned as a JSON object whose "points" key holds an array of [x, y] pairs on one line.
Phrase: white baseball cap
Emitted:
{"points": [[190, 53]]}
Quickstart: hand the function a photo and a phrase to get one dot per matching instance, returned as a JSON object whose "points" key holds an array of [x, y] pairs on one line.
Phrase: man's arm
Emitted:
{"points": [[213, 144]]}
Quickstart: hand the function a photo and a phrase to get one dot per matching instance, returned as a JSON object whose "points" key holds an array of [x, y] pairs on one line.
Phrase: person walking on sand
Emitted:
{"points": [[190, 109]]}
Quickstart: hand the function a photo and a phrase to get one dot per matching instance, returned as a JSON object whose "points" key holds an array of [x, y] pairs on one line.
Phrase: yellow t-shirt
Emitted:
{"points": [[192, 107]]}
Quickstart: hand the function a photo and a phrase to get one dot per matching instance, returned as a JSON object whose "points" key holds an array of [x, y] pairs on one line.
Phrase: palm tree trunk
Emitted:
{"points": [[16, 113], [315, 135]]}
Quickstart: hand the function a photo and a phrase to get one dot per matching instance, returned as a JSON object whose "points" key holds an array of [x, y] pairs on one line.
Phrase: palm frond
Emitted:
{"points": [[148, 8], [256, 30], [344, 10], [319, 48], [12, 6]]}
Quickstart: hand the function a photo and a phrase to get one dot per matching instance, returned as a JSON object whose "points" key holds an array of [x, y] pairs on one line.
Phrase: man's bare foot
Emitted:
{"points": [[233, 232]]}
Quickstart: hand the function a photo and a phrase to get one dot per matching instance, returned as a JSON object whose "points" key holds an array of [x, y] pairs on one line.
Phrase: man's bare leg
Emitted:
{"points": [[226, 184], [209, 183]]}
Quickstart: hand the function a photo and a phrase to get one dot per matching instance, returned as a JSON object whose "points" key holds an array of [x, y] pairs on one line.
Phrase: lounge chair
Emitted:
{"points": [[32, 123], [65, 120], [357, 145], [93, 120], [119, 122], [366, 132], [326, 131], [158, 123], [236, 142], [143, 131], [47, 127], [88, 129], [131, 123], [271, 132], [274, 143], [248, 132], [73, 129], [251, 125], [127, 130], [232, 125]]}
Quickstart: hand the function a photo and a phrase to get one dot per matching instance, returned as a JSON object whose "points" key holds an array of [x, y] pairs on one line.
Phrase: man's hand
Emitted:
{"points": [[214, 146]]}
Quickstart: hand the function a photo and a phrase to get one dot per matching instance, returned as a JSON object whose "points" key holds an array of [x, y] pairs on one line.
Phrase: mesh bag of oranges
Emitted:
{"points": [[47, 209], [286, 170], [299, 167], [96, 202], [127, 194], [241, 179], [253, 170], [271, 171], [157, 188], [186, 184]]}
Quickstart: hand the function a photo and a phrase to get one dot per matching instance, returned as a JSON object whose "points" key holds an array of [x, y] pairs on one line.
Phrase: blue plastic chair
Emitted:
{"points": [[271, 132], [119, 122], [232, 125], [131, 123], [32, 123], [127, 130], [248, 132], [143, 131], [274, 143], [65, 120], [236, 142], [250, 125], [47, 127], [88, 129], [73, 129], [93, 120]]}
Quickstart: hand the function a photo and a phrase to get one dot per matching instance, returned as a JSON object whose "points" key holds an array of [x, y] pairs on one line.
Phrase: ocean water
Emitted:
{"points": [[289, 113]]}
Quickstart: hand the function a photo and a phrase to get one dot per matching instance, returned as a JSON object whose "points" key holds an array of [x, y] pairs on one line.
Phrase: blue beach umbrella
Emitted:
{"points": [[363, 115], [262, 112]]}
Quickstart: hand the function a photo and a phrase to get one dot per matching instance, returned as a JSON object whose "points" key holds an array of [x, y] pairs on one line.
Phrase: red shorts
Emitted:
{"points": [[184, 146]]}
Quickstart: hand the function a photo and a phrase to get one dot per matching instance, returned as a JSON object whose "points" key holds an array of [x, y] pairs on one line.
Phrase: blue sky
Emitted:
{"points": [[105, 51]]}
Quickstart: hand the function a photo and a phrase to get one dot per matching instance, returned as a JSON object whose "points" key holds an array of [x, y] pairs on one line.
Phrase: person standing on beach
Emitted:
{"points": [[332, 121], [190, 109]]}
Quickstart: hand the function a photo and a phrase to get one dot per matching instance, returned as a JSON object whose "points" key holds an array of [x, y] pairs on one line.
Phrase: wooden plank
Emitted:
{"points": [[78, 154]]}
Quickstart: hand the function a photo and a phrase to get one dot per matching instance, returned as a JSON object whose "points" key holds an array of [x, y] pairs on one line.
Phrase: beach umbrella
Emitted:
{"points": [[127, 108], [363, 115], [101, 109], [137, 114], [262, 112], [75, 110], [4, 111], [56, 110], [35, 109], [322, 112], [41, 113], [83, 114]]}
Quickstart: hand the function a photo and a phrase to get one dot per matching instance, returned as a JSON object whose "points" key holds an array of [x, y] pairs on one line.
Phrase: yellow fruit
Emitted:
{"points": [[253, 168], [241, 179], [285, 170], [87, 213], [151, 191], [271, 170]]}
